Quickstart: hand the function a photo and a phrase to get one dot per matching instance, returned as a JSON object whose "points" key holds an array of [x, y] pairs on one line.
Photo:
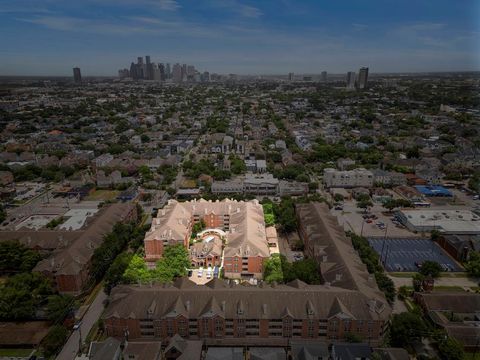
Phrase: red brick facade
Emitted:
{"points": [[237, 266], [333, 329]]}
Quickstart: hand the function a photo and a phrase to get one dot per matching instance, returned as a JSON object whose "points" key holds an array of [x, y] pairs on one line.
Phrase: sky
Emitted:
{"points": [[49, 37]]}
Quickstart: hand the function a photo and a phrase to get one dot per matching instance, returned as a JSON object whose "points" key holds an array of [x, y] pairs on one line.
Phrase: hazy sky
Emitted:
{"points": [[49, 37]]}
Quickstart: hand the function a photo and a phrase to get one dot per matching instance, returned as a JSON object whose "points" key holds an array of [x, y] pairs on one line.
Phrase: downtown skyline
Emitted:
{"points": [[243, 37]]}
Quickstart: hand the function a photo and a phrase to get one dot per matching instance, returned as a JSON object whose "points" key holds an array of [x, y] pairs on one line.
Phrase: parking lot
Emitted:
{"points": [[407, 254], [351, 218], [200, 277]]}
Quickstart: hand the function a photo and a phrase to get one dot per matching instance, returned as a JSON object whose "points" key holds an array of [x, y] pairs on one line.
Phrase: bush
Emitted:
{"points": [[370, 258], [54, 340], [406, 328], [431, 268], [451, 349]]}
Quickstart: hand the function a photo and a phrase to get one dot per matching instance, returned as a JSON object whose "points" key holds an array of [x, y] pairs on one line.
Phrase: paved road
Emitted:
{"points": [[442, 281], [70, 348]]}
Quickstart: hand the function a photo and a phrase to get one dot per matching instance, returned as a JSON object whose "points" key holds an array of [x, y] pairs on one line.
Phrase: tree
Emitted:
{"points": [[386, 285], [21, 294], [277, 269], [268, 214], [15, 256], [59, 306], [54, 340], [352, 338], [403, 292], [451, 349], [473, 264], [145, 173], [338, 197], [307, 271], [114, 274], [364, 204], [431, 268], [285, 215], [198, 227], [3, 214], [405, 328], [174, 263], [417, 281]]}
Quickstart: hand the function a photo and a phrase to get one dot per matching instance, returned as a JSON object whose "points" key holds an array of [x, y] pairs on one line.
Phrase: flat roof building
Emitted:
{"points": [[460, 222]]}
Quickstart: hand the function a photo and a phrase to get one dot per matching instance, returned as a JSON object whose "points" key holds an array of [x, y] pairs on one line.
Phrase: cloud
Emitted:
{"points": [[237, 7], [359, 27]]}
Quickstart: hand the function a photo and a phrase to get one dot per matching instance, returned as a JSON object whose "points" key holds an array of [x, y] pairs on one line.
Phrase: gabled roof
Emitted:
{"points": [[211, 308], [339, 309]]}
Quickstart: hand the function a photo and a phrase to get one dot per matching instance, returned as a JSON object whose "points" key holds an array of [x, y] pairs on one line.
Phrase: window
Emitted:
{"points": [[205, 327], [311, 328], [287, 327]]}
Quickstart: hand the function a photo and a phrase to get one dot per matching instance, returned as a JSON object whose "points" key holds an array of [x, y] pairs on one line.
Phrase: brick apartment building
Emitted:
{"points": [[69, 268], [243, 315], [246, 245]]}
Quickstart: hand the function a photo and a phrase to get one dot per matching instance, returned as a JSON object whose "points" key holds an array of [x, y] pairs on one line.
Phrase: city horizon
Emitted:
{"points": [[240, 37]]}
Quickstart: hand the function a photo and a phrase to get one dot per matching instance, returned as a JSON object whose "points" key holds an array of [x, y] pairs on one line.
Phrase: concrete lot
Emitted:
{"points": [[200, 280], [351, 219], [284, 241]]}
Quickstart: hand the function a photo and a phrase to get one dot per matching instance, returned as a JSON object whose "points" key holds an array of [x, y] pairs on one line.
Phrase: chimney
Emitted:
{"points": [[324, 258], [338, 277], [187, 305], [372, 303], [223, 305]]}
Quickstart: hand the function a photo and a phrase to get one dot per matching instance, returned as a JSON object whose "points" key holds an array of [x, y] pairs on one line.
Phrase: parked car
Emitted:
{"points": [[77, 325], [200, 272]]}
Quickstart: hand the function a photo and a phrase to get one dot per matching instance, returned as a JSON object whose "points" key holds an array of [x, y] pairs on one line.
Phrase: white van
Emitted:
{"points": [[209, 272]]}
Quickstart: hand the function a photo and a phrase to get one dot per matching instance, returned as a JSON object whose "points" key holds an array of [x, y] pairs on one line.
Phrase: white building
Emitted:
{"points": [[348, 179], [459, 222], [260, 184]]}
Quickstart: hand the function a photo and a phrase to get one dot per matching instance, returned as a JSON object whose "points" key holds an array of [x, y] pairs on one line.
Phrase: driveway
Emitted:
{"points": [[93, 313], [442, 281]]}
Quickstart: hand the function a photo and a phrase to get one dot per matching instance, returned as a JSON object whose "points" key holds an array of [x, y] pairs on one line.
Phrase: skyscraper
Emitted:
{"points": [[323, 76], [148, 68], [168, 72], [363, 78], [350, 80], [163, 75], [290, 76], [184, 72], [177, 73], [77, 76], [133, 71]]}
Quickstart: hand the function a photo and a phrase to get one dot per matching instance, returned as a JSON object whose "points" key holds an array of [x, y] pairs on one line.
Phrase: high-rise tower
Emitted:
{"points": [[77, 75]]}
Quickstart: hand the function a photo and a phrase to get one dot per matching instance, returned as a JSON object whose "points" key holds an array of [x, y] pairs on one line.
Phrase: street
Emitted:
{"points": [[70, 348]]}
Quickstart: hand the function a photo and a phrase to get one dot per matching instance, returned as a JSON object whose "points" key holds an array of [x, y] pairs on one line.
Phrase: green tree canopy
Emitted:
{"points": [[54, 340], [431, 268], [59, 306], [473, 264], [15, 256], [405, 328]]}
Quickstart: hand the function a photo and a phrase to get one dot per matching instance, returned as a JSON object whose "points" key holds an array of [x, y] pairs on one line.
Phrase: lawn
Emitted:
{"points": [[15, 352], [102, 195], [472, 356]]}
